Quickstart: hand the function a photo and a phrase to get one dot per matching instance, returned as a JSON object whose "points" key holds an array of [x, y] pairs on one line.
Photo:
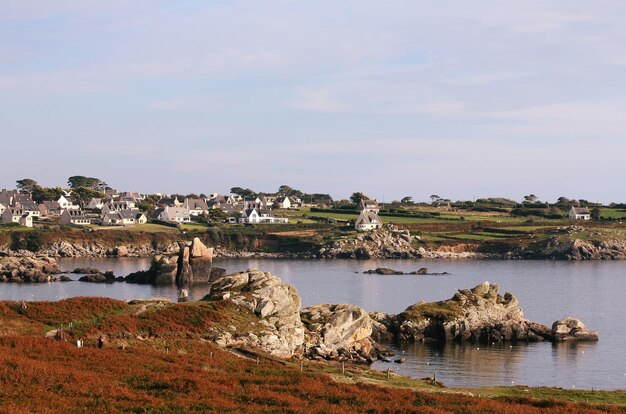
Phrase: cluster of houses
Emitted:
{"points": [[118, 210], [122, 209]]}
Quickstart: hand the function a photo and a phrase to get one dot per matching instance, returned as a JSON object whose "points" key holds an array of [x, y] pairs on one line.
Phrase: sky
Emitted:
{"points": [[463, 99]]}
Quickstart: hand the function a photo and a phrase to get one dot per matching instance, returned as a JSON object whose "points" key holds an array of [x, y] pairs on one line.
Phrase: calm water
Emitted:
{"points": [[547, 291]]}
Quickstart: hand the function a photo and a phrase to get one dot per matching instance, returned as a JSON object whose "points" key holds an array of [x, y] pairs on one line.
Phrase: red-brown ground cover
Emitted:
{"points": [[48, 376]]}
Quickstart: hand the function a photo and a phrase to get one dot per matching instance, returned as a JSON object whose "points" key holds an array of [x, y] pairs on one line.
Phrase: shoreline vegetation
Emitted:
{"points": [[168, 357]]}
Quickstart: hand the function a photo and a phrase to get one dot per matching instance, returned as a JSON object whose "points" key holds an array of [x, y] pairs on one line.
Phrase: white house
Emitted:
{"points": [[254, 216], [368, 219], [579, 213], [66, 204], [75, 217], [31, 208], [174, 214], [283, 202], [2, 208]]}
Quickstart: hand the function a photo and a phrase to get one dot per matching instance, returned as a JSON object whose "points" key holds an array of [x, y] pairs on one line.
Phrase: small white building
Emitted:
{"points": [[257, 216], [579, 213], [66, 204], [283, 202], [368, 219]]}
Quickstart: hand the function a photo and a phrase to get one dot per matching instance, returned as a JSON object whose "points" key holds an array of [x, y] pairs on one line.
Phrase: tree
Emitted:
{"points": [[435, 197], [357, 197], [82, 194], [26, 185], [595, 213], [216, 215], [407, 200], [531, 198], [77, 181], [243, 192], [563, 200], [41, 194], [285, 190]]}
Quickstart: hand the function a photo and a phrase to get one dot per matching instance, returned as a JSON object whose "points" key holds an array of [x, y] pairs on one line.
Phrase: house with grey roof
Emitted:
{"points": [[196, 206], [95, 203], [173, 214], [579, 213], [49, 209], [169, 201], [7, 197], [368, 218], [123, 218], [75, 217], [16, 214]]}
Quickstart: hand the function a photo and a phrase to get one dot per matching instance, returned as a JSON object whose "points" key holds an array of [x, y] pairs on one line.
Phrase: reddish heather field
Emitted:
{"points": [[173, 372]]}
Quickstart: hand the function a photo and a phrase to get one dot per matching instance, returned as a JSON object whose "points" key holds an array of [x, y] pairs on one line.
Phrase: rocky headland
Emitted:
{"points": [[348, 332]]}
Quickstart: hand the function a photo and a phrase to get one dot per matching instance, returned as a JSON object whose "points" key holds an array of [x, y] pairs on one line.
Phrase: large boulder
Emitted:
{"points": [[276, 304], [338, 331]]}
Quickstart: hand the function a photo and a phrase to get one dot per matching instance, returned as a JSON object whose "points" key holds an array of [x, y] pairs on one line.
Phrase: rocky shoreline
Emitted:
{"points": [[387, 243], [345, 331]]}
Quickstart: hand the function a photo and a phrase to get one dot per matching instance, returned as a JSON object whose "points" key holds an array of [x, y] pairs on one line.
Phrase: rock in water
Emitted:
{"points": [[475, 315], [28, 269], [201, 261], [568, 329], [192, 264], [275, 303], [163, 270], [338, 331]]}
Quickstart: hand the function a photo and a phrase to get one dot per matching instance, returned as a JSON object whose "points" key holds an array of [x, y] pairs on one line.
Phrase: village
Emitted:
{"points": [[74, 206]]}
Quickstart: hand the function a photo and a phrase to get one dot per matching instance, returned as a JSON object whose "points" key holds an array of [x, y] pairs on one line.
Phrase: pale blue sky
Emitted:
{"points": [[459, 98]]}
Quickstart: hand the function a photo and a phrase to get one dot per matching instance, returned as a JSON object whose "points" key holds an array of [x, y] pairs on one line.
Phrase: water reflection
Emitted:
{"points": [[537, 364]]}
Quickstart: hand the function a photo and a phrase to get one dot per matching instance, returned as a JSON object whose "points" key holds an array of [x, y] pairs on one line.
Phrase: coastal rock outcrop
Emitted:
{"points": [[338, 332], [28, 269], [474, 315], [191, 264], [387, 242], [280, 331]]}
